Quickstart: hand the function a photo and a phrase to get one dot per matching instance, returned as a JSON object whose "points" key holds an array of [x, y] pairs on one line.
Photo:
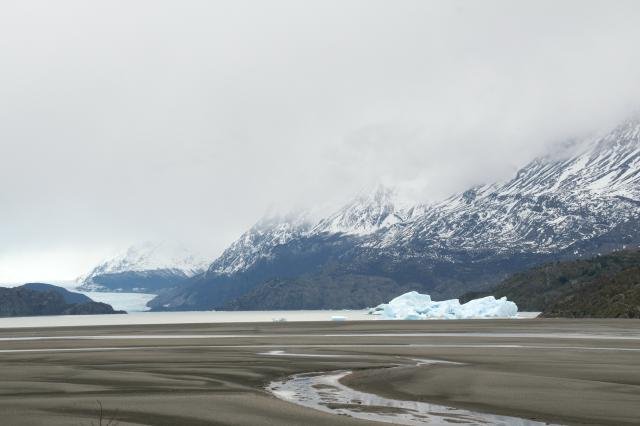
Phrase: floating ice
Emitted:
{"points": [[416, 306], [338, 318]]}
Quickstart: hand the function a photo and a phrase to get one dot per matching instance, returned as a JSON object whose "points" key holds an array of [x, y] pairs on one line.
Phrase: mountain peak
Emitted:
{"points": [[151, 255], [366, 214], [626, 135]]}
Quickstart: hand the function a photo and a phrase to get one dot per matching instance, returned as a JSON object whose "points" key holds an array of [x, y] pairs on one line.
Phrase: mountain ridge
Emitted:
{"points": [[551, 208], [146, 267]]}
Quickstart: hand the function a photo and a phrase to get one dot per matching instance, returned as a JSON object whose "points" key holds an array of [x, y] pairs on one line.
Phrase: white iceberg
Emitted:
{"points": [[416, 306]]}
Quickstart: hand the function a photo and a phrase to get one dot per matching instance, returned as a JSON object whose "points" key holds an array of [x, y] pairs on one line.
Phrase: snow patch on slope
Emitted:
{"points": [[366, 214]]}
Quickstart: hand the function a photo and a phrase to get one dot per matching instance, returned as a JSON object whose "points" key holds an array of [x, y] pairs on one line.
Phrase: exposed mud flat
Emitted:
{"points": [[556, 371]]}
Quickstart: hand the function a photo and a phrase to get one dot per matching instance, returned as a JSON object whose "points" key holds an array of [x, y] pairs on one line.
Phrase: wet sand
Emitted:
{"points": [[561, 371]]}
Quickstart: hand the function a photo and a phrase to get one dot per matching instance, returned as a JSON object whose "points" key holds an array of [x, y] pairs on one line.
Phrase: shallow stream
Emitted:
{"points": [[324, 392]]}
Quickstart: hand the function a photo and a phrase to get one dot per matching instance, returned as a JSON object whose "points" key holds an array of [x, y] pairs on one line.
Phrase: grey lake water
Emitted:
{"points": [[194, 317], [135, 305], [198, 317]]}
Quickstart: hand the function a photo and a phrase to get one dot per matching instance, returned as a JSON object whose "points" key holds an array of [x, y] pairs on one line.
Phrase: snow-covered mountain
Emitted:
{"points": [[366, 214], [554, 207], [257, 242], [547, 206], [145, 267]]}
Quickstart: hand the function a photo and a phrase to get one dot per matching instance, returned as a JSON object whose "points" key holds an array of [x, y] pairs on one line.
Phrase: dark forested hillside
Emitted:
{"points": [[25, 301], [70, 297], [601, 287]]}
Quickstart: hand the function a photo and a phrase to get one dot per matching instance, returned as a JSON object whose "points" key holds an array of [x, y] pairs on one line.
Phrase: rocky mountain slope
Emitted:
{"points": [[553, 208], [47, 299], [605, 286], [144, 268]]}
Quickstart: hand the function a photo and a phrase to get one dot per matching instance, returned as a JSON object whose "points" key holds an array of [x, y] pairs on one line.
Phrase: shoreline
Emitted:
{"points": [[207, 317]]}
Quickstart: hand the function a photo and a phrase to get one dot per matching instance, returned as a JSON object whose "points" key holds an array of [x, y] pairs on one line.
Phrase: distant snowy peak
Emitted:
{"points": [[628, 133], [609, 166], [366, 214], [547, 206], [151, 256], [258, 242]]}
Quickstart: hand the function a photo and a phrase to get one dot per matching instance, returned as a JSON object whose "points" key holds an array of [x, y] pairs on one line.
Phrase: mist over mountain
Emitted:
{"points": [[556, 207], [123, 122]]}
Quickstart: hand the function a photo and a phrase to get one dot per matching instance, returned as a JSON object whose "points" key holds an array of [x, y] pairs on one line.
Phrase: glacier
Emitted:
{"points": [[416, 306]]}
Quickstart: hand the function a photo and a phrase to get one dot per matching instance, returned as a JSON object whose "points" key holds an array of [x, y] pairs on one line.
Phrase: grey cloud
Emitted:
{"points": [[130, 120]]}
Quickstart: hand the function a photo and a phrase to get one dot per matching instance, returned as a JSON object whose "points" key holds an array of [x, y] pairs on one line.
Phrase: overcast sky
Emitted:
{"points": [[123, 121]]}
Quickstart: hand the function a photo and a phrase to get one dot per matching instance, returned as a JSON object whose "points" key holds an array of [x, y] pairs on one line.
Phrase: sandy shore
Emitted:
{"points": [[562, 371]]}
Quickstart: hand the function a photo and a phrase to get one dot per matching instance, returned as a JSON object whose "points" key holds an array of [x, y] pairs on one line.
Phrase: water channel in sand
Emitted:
{"points": [[324, 392]]}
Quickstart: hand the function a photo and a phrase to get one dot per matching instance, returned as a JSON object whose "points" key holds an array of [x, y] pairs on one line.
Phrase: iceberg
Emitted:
{"points": [[416, 306]]}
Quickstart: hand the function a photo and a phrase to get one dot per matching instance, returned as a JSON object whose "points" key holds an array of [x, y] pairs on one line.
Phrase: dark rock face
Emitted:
{"points": [[21, 301], [553, 209], [601, 287], [319, 292]]}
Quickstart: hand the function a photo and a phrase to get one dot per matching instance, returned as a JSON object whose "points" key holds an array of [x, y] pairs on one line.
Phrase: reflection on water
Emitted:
{"points": [[324, 392]]}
